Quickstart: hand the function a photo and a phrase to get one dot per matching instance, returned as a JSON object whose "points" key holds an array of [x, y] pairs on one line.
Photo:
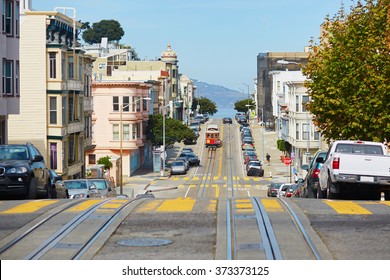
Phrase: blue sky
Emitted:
{"points": [[217, 41]]}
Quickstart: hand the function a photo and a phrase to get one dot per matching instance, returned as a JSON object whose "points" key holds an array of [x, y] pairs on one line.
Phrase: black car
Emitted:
{"points": [[23, 172], [311, 183], [227, 120], [192, 158]]}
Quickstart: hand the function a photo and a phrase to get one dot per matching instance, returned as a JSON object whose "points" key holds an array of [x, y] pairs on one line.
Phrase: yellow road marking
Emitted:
{"points": [[244, 206], [111, 206], [175, 179], [177, 205], [212, 206], [272, 205], [385, 203], [149, 206], [84, 205], [347, 207], [29, 207]]}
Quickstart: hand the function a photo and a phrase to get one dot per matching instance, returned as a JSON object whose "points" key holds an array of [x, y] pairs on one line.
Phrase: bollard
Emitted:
{"points": [[270, 174], [382, 196]]}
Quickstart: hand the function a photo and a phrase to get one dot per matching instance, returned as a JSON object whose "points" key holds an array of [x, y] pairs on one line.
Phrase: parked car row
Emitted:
{"points": [[253, 166], [182, 163]]}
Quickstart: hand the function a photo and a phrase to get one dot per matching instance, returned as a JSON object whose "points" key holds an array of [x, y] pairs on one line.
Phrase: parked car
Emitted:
{"points": [[192, 158], [253, 163], [200, 118], [283, 189], [247, 143], [187, 149], [273, 189], [87, 188], [23, 171], [195, 125], [57, 191], [290, 192], [227, 120], [247, 153], [178, 167], [309, 188], [250, 158], [186, 162]]}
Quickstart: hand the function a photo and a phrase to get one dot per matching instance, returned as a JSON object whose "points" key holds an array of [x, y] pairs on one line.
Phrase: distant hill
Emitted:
{"points": [[222, 96]]}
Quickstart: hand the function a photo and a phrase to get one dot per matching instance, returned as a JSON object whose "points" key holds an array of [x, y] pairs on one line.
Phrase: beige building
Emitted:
{"points": [[55, 88], [10, 65]]}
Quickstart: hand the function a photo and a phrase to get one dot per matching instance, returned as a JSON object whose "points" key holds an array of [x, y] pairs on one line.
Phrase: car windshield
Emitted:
{"points": [[13, 152], [100, 184], [75, 185], [178, 163], [255, 163]]}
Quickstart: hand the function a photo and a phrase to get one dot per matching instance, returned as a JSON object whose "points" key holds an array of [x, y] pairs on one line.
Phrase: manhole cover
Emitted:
{"points": [[144, 242]]}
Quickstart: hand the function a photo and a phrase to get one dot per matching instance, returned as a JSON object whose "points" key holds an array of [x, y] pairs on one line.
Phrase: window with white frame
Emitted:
{"points": [[7, 17], [52, 65], [305, 131], [115, 132], [297, 131], [53, 110], [70, 67], [296, 103], [125, 103], [305, 100], [53, 155], [126, 132]]}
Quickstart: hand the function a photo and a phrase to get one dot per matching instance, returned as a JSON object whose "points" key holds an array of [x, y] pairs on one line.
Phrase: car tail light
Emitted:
{"points": [[288, 194], [336, 163], [315, 173]]}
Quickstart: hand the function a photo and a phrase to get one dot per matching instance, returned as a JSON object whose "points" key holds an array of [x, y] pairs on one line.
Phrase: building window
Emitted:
{"points": [[17, 84], [53, 155], [63, 110], [115, 132], [7, 17], [17, 16], [115, 103], [70, 67], [63, 66], [316, 135], [305, 131], [72, 150], [7, 77], [296, 103], [92, 159], [138, 126], [297, 131], [71, 109], [52, 65], [2, 132], [125, 103], [134, 132], [305, 100], [53, 110], [126, 132]]}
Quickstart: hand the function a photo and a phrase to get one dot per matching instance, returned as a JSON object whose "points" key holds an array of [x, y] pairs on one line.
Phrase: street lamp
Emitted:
{"points": [[285, 62], [121, 140]]}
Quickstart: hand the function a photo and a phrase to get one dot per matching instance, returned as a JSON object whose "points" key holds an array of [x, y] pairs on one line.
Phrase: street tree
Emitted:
{"points": [[205, 105], [175, 130], [242, 105], [349, 74], [104, 28]]}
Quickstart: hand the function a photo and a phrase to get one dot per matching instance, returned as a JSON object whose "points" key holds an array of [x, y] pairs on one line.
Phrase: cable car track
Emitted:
{"points": [[37, 242], [262, 242]]}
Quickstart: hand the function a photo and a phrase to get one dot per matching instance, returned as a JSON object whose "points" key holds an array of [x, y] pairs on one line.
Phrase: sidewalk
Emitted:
{"points": [[265, 142]]}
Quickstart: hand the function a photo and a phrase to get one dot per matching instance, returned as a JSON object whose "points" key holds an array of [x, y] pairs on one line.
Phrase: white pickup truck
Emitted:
{"points": [[360, 168]]}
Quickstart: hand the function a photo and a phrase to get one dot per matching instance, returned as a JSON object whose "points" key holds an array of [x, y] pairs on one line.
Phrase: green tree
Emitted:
{"points": [[242, 105], [104, 28], [175, 130], [206, 105], [106, 161], [349, 74]]}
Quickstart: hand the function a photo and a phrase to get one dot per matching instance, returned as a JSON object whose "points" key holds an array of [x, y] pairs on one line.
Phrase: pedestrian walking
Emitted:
{"points": [[268, 157]]}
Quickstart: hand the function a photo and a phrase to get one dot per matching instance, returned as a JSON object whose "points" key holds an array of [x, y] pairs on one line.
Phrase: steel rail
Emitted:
{"points": [[62, 232], [302, 230], [37, 225]]}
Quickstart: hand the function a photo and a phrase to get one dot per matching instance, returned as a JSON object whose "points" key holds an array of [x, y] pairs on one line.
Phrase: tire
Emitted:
{"points": [[310, 192], [32, 189], [329, 194], [261, 173]]}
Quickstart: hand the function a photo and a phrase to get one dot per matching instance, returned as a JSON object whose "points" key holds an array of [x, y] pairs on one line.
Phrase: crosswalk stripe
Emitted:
{"points": [[347, 208]]}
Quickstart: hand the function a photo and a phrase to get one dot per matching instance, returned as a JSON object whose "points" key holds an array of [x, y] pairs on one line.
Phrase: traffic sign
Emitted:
{"points": [[287, 161]]}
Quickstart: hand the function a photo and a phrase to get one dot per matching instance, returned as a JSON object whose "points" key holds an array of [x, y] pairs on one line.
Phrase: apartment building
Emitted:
{"points": [[55, 87], [293, 121], [10, 64]]}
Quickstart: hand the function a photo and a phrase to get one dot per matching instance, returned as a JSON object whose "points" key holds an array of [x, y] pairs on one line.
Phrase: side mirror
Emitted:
{"points": [[37, 158], [305, 167], [92, 187]]}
